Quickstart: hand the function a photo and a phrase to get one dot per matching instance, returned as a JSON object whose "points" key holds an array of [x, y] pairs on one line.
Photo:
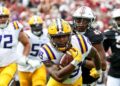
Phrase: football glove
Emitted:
{"points": [[33, 63], [76, 54], [25, 60], [94, 73], [22, 61]]}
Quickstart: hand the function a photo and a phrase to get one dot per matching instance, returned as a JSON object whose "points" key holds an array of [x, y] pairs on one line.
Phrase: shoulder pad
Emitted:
{"points": [[49, 52], [15, 24], [96, 32], [94, 35], [82, 43], [106, 30], [109, 33]]}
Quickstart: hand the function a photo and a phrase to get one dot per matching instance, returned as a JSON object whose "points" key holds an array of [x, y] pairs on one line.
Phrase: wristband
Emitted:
{"points": [[27, 60], [75, 63]]}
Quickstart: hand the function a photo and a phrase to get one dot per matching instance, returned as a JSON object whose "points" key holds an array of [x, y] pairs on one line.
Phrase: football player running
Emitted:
{"points": [[82, 20], [60, 43], [112, 40], [28, 75], [10, 34]]}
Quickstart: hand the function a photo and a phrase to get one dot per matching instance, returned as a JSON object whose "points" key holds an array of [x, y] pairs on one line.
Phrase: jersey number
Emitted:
{"points": [[117, 41], [76, 71], [34, 50], [7, 41]]}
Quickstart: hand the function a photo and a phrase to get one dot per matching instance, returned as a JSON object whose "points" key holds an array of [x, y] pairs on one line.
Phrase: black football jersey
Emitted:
{"points": [[95, 37], [112, 40]]}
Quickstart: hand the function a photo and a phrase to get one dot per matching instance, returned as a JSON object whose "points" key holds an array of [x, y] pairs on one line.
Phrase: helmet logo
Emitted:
{"points": [[82, 11]]}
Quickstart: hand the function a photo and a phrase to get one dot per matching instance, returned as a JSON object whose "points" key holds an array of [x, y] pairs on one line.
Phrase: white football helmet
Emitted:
{"points": [[84, 12], [4, 17], [116, 13], [83, 18], [116, 18]]}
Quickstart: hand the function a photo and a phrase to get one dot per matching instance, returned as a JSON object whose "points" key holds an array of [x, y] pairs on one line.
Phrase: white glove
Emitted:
{"points": [[25, 60], [34, 63], [22, 61]]}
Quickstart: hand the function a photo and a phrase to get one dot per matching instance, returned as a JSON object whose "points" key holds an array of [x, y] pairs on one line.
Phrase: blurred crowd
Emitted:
{"points": [[22, 10], [49, 9]]}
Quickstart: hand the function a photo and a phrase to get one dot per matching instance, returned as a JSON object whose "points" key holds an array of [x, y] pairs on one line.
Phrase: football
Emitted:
{"points": [[66, 59]]}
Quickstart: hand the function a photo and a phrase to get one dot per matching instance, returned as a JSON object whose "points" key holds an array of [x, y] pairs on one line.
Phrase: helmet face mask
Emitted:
{"points": [[83, 17], [60, 34], [81, 24], [4, 17], [36, 24], [118, 21], [36, 29], [60, 41], [4, 21]]}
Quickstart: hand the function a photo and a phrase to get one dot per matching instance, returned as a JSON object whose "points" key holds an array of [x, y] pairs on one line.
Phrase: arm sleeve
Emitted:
{"points": [[106, 44]]}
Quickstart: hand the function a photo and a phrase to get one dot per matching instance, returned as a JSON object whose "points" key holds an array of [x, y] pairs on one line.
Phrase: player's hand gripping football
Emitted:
{"points": [[94, 73], [76, 55]]}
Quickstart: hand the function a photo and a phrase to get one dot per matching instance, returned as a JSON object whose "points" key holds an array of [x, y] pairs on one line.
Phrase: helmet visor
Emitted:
{"points": [[4, 20], [81, 24], [61, 41], [36, 29]]}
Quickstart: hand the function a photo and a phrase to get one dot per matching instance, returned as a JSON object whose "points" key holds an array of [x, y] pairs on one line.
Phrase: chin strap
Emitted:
{"points": [[67, 48], [37, 33]]}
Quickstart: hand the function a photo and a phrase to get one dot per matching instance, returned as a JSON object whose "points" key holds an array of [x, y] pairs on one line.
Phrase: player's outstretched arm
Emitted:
{"points": [[23, 38], [95, 58], [101, 51]]}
